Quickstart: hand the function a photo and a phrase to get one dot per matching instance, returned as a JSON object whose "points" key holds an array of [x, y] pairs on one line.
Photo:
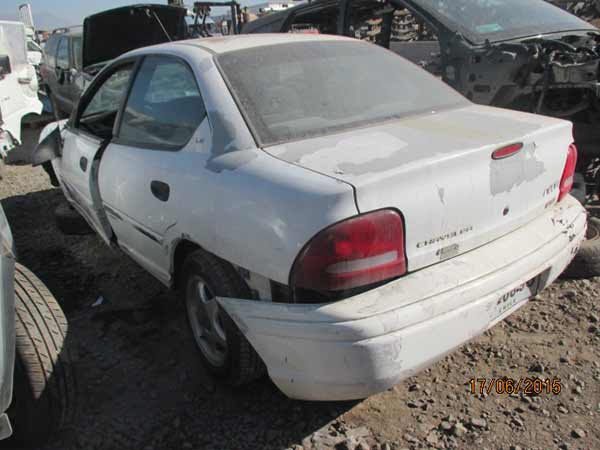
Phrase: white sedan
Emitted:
{"points": [[328, 210]]}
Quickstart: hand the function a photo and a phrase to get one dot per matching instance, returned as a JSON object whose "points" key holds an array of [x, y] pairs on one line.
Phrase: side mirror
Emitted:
{"points": [[5, 68], [48, 149]]}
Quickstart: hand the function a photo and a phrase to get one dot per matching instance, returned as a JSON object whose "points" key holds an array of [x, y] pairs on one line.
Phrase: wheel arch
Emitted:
{"points": [[181, 248]]}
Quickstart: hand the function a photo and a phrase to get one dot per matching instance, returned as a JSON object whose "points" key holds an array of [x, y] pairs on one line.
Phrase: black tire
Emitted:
{"points": [[69, 221], [579, 189], [44, 386], [586, 263], [242, 364]]}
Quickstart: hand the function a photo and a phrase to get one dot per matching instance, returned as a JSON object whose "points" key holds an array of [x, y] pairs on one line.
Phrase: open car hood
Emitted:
{"points": [[111, 33]]}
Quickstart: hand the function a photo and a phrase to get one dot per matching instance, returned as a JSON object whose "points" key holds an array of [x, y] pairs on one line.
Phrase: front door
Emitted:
{"points": [[84, 141]]}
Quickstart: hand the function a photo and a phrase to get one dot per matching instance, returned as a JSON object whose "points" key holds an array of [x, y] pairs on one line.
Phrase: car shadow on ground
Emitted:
{"points": [[141, 384]]}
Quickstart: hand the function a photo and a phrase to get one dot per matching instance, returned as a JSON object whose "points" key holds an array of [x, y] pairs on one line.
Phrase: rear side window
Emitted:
{"points": [[62, 54], [164, 108]]}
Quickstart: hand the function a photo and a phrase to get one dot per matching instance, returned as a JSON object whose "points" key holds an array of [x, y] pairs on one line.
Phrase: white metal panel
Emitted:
{"points": [[78, 169], [437, 169], [368, 343]]}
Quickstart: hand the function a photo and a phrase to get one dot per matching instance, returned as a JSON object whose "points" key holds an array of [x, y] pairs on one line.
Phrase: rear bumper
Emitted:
{"points": [[368, 343]]}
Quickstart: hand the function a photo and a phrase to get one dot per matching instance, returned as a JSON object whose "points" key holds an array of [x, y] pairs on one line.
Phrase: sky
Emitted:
{"points": [[49, 14]]}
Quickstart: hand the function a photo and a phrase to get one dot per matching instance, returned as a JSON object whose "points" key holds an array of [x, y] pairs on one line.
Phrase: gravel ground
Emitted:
{"points": [[142, 386]]}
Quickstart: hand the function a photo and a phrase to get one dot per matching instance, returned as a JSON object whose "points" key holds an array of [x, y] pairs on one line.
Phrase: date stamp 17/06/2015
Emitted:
{"points": [[509, 386]]}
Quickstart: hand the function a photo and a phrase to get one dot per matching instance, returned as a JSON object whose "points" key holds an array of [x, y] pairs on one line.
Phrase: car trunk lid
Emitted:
{"points": [[111, 33], [438, 171]]}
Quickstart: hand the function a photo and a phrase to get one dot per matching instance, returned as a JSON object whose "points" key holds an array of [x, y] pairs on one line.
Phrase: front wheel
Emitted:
{"points": [[44, 383], [225, 352]]}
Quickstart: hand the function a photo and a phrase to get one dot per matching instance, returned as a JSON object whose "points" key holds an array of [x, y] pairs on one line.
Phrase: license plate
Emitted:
{"points": [[517, 295]]}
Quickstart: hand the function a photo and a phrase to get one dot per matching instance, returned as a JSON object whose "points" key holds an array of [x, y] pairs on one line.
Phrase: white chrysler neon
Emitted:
{"points": [[328, 210]]}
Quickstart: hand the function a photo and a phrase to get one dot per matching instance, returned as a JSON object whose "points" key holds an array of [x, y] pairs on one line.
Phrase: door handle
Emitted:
{"points": [[160, 190], [83, 163]]}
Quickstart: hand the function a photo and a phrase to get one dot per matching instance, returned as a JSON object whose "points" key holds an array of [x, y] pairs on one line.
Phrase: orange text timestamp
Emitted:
{"points": [[527, 386]]}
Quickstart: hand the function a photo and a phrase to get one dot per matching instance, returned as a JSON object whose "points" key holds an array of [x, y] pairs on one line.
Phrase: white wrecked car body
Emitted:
{"points": [[18, 84], [378, 223]]}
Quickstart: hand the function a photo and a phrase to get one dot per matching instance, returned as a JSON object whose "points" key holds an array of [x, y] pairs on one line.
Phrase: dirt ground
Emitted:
{"points": [[142, 387]]}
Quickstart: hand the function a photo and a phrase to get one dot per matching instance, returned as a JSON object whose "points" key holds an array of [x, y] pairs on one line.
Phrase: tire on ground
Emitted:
{"points": [[586, 263], [69, 221], [242, 364], [44, 384]]}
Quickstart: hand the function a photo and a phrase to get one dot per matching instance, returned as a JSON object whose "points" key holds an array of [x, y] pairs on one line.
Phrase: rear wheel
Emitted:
{"points": [[44, 384], [225, 352], [586, 263]]}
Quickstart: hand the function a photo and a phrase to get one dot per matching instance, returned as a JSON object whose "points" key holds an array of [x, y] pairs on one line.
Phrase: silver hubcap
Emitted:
{"points": [[205, 321]]}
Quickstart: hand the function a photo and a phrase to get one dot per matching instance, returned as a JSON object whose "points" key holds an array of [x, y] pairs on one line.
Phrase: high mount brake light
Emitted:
{"points": [[566, 181], [507, 151], [356, 252]]}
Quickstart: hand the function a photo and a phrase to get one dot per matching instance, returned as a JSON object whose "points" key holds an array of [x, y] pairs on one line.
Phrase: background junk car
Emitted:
{"points": [[541, 59], [75, 56], [18, 85], [355, 227]]}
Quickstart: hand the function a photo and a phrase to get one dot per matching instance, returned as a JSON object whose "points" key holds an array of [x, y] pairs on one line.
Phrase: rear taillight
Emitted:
{"points": [[566, 182], [356, 252]]}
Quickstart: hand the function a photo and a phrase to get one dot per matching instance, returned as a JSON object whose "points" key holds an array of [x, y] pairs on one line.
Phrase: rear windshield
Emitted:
{"points": [[295, 91], [496, 20]]}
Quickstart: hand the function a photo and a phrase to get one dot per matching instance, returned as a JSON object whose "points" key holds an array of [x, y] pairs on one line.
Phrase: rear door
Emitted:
{"points": [[86, 138], [143, 164]]}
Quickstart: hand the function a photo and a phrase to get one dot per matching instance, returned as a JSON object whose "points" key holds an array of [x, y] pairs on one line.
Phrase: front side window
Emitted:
{"points": [[300, 90], [99, 115], [164, 108], [62, 54]]}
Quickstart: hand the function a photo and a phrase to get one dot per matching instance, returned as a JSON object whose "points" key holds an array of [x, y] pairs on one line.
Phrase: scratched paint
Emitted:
{"points": [[507, 174]]}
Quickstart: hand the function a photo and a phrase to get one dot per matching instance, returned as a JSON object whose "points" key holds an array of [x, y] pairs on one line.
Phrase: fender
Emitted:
{"points": [[48, 149]]}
